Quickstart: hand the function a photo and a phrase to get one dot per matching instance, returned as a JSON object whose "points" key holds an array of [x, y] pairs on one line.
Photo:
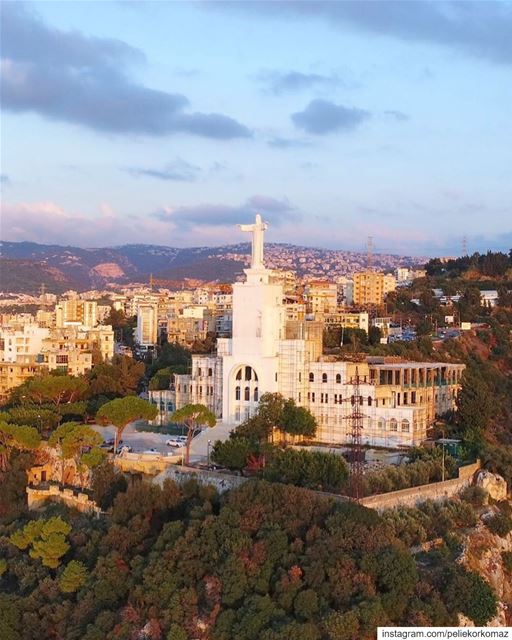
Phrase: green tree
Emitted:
{"points": [[120, 377], [107, 482], [73, 577], [469, 593], [121, 411], [193, 416], [232, 453], [51, 389], [74, 441], [476, 406], [46, 539], [34, 416], [297, 421], [374, 336], [161, 380], [19, 437]]}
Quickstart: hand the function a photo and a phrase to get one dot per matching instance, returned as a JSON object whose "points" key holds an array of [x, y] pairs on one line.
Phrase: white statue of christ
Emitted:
{"points": [[257, 229]]}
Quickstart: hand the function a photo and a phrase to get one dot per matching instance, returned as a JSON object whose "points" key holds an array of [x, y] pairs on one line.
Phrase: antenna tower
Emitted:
{"points": [[369, 247], [355, 430], [464, 246]]}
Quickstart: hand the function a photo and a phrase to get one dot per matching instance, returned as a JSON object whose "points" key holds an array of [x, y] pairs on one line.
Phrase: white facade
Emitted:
{"points": [[147, 325], [25, 340]]}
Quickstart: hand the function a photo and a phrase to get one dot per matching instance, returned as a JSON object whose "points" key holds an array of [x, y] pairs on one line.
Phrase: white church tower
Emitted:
{"points": [[250, 361]]}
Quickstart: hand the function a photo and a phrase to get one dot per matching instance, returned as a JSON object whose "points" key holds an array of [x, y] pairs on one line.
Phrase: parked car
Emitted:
{"points": [[152, 452], [125, 448], [176, 442]]}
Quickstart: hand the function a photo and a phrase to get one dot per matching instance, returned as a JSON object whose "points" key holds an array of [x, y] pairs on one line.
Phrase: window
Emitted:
{"points": [[369, 401], [313, 397], [311, 377], [324, 377], [199, 372], [382, 424], [210, 372], [239, 374], [300, 376], [405, 426], [393, 425], [248, 372], [338, 378], [247, 394], [237, 393], [255, 394], [326, 398]]}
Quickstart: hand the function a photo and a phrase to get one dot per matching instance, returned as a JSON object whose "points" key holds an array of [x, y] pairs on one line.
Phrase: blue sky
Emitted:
{"points": [[167, 123]]}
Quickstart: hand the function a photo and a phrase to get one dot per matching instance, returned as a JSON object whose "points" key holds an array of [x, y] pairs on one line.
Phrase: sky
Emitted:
{"points": [[170, 122]]}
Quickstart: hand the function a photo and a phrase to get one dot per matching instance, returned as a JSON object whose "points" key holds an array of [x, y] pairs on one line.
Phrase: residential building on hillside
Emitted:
{"points": [[76, 312], [371, 287], [147, 325]]}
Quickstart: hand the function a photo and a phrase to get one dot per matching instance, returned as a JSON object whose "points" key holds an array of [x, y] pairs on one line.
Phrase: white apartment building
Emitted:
{"points": [[147, 324]]}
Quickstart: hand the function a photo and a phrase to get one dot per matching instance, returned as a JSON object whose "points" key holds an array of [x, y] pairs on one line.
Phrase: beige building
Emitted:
{"points": [[371, 287], [347, 320], [321, 297], [13, 374], [75, 311]]}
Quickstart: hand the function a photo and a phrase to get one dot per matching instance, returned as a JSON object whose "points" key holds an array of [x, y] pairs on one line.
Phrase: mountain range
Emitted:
{"points": [[24, 266]]}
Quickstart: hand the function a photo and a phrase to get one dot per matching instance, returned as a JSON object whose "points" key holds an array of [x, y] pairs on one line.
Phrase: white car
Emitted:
{"points": [[177, 442]]}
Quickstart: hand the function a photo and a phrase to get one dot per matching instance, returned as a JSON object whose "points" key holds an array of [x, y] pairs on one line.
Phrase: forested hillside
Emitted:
{"points": [[266, 562]]}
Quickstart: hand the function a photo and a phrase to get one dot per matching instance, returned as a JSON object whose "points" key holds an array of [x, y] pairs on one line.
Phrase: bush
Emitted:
{"points": [[475, 495], [499, 524], [506, 559]]}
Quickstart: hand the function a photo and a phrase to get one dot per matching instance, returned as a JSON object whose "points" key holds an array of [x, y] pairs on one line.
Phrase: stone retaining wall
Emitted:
{"points": [[413, 496], [222, 482], [148, 464], [37, 496]]}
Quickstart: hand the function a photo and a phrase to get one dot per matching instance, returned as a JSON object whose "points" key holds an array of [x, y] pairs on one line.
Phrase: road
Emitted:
{"points": [[145, 440]]}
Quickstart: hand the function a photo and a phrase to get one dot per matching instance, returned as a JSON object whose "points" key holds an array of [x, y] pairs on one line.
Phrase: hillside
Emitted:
{"points": [[87, 268]]}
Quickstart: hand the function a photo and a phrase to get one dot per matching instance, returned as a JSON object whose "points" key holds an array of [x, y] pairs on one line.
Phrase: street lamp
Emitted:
{"points": [[442, 477], [40, 422], [208, 445]]}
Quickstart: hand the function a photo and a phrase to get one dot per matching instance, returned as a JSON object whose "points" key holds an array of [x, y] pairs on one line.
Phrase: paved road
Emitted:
{"points": [[145, 440]]}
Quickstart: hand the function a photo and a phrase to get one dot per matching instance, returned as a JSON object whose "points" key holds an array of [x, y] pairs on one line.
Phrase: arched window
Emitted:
{"points": [[248, 372], [237, 393], [393, 425], [338, 378], [324, 377], [255, 395], [247, 394], [311, 377], [369, 401], [239, 374], [405, 426], [382, 424]]}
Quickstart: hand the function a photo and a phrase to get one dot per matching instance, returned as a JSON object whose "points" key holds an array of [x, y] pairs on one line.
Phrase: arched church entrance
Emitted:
{"points": [[246, 392]]}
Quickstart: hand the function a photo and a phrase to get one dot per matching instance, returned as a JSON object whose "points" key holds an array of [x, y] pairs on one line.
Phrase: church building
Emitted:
{"points": [[270, 353]]}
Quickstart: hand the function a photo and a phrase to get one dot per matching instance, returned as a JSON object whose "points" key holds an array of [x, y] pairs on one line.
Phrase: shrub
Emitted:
{"points": [[475, 495], [500, 524]]}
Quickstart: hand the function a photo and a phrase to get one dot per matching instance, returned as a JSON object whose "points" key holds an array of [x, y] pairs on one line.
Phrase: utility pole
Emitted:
{"points": [[355, 432], [369, 247]]}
